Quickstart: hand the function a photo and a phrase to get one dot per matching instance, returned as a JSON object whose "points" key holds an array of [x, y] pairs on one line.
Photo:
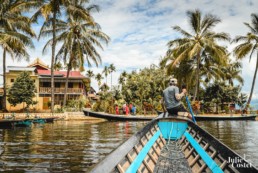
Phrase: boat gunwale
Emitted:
{"points": [[221, 148]]}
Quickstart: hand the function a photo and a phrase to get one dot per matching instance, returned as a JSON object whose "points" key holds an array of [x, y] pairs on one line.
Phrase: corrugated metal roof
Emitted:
{"points": [[72, 74]]}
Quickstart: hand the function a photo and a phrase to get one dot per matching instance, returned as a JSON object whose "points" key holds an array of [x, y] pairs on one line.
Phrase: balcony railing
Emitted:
{"points": [[47, 90]]}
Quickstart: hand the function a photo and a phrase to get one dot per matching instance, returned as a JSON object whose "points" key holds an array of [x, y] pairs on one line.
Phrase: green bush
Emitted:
{"points": [[76, 105]]}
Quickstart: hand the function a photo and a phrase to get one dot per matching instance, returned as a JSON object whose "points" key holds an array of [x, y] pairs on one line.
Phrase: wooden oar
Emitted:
{"points": [[190, 108]]}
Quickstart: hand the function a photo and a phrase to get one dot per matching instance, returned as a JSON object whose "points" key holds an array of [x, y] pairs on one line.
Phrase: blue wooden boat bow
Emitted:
{"points": [[171, 145]]}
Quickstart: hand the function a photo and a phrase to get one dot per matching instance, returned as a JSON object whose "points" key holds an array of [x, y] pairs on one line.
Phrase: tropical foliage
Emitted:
{"points": [[202, 40], [142, 89], [22, 91], [106, 72], [112, 69], [99, 77], [79, 37], [221, 95], [78, 33], [90, 74], [249, 46], [15, 32]]}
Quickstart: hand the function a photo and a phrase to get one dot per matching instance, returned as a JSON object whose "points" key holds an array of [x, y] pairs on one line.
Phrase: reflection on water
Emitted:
{"points": [[241, 136], [77, 145], [62, 146]]}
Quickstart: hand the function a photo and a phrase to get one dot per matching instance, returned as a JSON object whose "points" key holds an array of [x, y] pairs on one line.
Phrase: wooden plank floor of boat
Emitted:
{"points": [[172, 159]]}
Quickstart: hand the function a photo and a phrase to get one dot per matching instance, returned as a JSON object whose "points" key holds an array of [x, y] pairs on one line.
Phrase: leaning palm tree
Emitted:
{"points": [[15, 33], [203, 38], [248, 46], [106, 72], [99, 77], [112, 69]]}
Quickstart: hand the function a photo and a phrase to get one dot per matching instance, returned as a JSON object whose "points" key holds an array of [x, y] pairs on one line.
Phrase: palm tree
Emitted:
{"points": [[232, 72], [90, 74], [124, 74], [122, 78], [99, 77], [106, 72], [112, 69], [79, 41], [79, 36], [58, 66], [211, 69], [193, 44], [249, 46], [15, 33], [51, 10], [121, 81]]}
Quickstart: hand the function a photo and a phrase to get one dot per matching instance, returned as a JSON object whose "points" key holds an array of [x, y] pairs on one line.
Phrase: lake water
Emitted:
{"points": [[75, 146]]}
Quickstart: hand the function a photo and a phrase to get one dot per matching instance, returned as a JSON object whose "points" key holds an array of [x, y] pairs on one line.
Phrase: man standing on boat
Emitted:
{"points": [[171, 99]]}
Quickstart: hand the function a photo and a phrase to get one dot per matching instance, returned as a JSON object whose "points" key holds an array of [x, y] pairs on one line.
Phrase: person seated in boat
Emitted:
{"points": [[171, 99]]}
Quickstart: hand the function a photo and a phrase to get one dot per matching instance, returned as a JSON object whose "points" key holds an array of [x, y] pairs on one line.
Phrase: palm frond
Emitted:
{"points": [[183, 32], [242, 50]]}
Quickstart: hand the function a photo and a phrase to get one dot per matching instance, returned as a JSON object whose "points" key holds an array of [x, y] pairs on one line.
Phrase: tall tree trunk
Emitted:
{"points": [[196, 93], [111, 92], [253, 83], [4, 79], [53, 62], [111, 81], [66, 83]]}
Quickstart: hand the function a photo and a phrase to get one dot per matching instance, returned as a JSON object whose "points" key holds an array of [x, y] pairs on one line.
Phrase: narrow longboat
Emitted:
{"points": [[173, 145], [112, 117]]}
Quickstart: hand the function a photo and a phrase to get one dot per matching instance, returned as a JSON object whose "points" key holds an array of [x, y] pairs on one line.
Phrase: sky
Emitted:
{"points": [[140, 30]]}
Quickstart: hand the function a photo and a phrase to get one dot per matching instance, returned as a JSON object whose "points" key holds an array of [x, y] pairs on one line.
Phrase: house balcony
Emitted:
{"points": [[47, 90]]}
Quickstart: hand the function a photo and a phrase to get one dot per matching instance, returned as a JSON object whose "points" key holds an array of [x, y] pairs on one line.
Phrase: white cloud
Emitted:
{"points": [[140, 30]]}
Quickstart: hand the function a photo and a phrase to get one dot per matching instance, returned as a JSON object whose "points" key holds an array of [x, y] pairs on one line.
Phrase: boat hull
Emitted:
{"points": [[112, 117], [195, 151], [10, 123]]}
